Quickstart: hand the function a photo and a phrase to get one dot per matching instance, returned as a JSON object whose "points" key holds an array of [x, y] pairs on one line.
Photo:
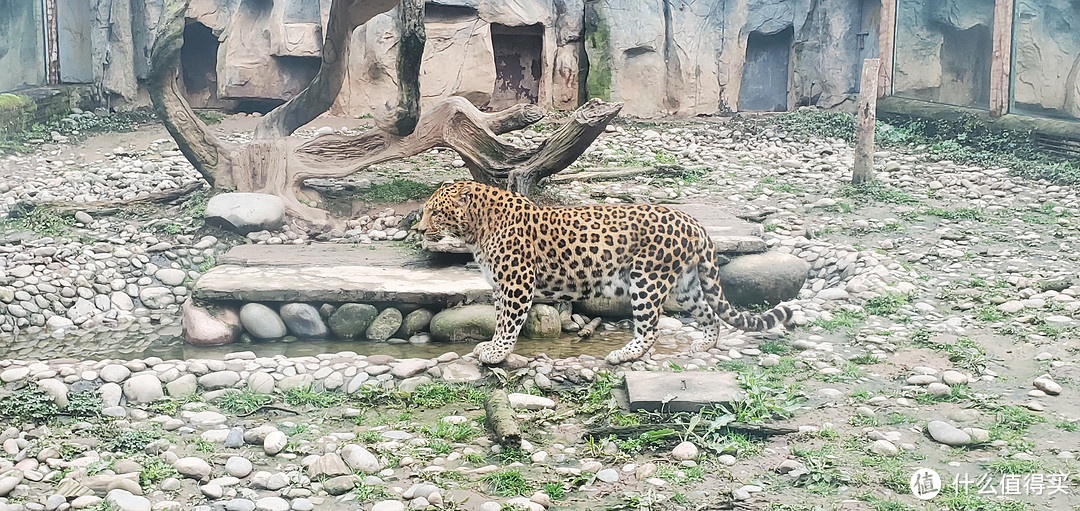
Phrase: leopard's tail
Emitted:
{"points": [[709, 275]]}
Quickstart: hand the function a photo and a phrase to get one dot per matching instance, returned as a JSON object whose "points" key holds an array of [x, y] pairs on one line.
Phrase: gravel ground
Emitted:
{"points": [[937, 329]]}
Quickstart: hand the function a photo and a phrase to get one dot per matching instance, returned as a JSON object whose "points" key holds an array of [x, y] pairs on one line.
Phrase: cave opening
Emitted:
{"points": [[518, 64], [765, 72], [965, 66], [198, 68]]}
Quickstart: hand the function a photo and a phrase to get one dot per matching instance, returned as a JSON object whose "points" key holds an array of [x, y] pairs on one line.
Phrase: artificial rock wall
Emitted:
{"points": [[659, 57]]}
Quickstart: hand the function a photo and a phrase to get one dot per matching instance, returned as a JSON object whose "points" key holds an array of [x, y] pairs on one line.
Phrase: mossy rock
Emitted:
{"points": [[471, 322], [351, 320], [543, 322], [16, 114]]}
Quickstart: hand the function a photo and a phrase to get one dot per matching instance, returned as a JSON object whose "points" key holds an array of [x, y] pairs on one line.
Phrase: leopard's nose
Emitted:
{"points": [[423, 225]]}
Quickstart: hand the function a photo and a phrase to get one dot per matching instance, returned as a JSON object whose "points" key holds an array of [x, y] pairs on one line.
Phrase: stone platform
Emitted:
{"points": [[390, 272], [339, 273]]}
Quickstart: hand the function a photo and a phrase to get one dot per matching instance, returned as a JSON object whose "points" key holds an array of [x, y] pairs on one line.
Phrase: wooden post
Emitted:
{"points": [[864, 123], [886, 40], [1000, 67]]}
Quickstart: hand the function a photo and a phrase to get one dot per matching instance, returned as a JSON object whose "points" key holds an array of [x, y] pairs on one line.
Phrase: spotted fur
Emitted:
{"points": [[642, 251]]}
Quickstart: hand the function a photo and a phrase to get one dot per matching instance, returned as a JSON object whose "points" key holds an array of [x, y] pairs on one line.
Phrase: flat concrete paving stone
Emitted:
{"points": [[339, 273], [324, 254], [683, 392], [730, 234]]}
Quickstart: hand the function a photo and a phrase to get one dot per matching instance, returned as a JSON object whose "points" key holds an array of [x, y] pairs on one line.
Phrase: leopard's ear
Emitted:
{"points": [[464, 197]]}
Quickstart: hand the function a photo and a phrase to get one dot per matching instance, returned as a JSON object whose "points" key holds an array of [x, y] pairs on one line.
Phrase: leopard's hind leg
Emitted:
{"points": [[693, 297], [649, 289], [709, 275]]}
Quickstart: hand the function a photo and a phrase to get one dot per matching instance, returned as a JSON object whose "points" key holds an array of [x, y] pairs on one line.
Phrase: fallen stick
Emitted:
{"points": [[500, 418], [638, 429], [588, 329], [600, 175], [265, 408], [112, 207]]}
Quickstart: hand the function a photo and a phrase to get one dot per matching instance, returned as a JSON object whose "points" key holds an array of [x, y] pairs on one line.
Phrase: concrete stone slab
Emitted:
{"points": [[439, 286], [327, 254], [683, 392], [730, 234], [340, 273]]}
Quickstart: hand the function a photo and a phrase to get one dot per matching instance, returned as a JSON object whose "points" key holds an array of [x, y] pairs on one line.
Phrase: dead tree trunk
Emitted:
{"points": [[863, 170], [274, 164]]}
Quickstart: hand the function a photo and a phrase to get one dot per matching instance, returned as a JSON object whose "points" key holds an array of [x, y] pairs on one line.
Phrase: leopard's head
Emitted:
{"points": [[446, 212]]}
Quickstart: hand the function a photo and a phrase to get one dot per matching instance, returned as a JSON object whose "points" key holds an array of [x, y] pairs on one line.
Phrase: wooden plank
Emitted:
{"points": [[863, 170], [886, 39], [679, 392], [1001, 58]]}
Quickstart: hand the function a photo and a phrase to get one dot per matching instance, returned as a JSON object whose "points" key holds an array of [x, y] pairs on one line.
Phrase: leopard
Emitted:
{"points": [[528, 252]]}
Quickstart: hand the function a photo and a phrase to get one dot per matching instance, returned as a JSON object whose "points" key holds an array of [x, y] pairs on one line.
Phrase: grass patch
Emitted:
{"points": [[436, 394], [842, 318], [30, 405], [809, 124], [304, 396], [889, 472], [777, 186], [129, 441], [957, 214], [42, 221], [864, 359], [506, 483], [989, 314], [508, 455], [369, 493], [453, 432], [1013, 466], [884, 505], [84, 404], [964, 353], [886, 304], [242, 403], [823, 474], [775, 347], [154, 470], [766, 398], [645, 441], [876, 191], [397, 190]]}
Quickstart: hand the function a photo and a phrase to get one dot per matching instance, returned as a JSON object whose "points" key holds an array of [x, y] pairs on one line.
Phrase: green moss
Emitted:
{"points": [[598, 48], [14, 101], [16, 114]]}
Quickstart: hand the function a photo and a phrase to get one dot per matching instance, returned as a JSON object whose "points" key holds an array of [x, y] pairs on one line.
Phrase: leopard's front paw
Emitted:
{"points": [[702, 345], [488, 353], [620, 355]]}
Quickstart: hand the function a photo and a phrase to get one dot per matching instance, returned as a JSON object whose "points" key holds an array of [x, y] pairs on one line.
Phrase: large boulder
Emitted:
{"points": [[351, 320], [303, 320], [475, 322], [415, 322], [386, 323], [245, 212], [543, 322], [261, 321], [767, 278], [604, 307], [204, 328]]}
